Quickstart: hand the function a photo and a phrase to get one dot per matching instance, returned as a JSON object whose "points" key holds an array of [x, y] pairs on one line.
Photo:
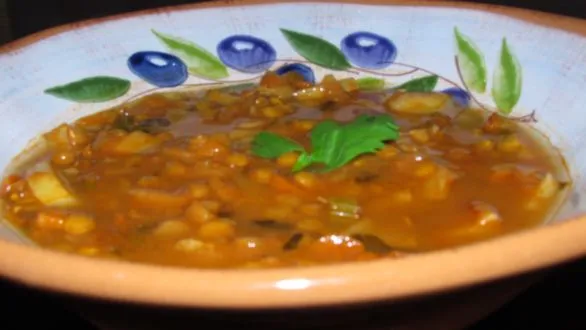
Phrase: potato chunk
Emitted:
{"points": [[50, 191], [135, 143]]}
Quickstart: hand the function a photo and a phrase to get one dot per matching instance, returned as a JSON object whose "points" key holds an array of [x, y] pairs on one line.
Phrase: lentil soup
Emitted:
{"points": [[282, 173]]}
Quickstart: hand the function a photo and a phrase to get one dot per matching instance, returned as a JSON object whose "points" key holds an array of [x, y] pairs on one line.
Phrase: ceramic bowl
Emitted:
{"points": [[525, 64]]}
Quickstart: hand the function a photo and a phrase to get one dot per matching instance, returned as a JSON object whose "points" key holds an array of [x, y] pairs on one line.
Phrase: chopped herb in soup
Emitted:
{"points": [[282, 174]]}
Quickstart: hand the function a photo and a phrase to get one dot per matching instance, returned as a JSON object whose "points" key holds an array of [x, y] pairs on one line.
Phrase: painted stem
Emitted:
{"points": [[215, 83], [354, 71], [529, 118]]}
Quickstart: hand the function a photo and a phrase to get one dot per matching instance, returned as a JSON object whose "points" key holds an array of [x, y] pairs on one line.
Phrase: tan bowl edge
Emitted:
{"points": [[313, 286]]}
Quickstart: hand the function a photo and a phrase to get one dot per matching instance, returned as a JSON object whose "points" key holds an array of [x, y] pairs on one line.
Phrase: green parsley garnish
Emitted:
{"points": [[332, 144]]}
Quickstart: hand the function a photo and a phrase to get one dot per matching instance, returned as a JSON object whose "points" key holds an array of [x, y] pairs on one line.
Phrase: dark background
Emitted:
{"points": [[553, 303]]}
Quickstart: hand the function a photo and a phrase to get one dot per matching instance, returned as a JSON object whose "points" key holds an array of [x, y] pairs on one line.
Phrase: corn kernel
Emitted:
{"points": [[424, 169], [225, 190], [484, 146], [388, 152], [419, 135], [217, 230], [403, 196], [275, 101], [174, 168], [212, 206], [509, 144], [287, 159], [49, 221], [197, 213], [407, 146], [199, 190], [272, 112], [237, 160], [89, 251], [306, 179], [79, 224], [252, 124], [77, 136], [262, 175], [63, 158], [197, 141], [189, 245], [304, 125], [171, 228]]}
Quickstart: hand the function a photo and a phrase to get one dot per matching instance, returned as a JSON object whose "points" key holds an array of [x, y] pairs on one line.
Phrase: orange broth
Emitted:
{"points": [[170, 179]]}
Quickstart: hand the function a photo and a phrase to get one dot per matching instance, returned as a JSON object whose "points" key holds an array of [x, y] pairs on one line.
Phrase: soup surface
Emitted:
{"points": [[283, 173]]}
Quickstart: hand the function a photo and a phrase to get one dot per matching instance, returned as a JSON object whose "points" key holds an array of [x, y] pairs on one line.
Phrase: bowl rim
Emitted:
{"points": [[427, 273]]}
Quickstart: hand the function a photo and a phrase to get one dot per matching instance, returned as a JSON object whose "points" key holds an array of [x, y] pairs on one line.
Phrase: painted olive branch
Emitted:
{"points": [[529, 118]]}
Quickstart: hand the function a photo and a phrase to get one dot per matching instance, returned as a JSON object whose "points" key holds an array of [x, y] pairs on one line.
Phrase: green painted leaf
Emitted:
{"points": [[471, 62], [199, 61], [507, 80], [370, 84], [92, 89], [317, 50], [423, 84]]}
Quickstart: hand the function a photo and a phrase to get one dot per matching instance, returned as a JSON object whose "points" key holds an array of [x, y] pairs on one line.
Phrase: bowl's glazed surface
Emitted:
{"points": [[548, 75]]}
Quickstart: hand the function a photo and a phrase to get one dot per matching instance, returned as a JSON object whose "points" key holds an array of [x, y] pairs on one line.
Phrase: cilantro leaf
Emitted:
{"points": [[271, 145], [333, 144]]}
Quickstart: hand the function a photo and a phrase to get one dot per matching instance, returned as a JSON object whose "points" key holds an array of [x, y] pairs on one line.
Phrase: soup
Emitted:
{"points": [[282, 173]]}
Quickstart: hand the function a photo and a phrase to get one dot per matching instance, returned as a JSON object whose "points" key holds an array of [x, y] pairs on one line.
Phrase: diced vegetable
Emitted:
{"points": [[470, 119], [546, 189], [135, 143], [189, 245], [151, 198], [79, 224], [171, 228], [437, 187], [344, 208], [50, 190], [216, 230], [398, 234], [417, 103], [485, 213]]}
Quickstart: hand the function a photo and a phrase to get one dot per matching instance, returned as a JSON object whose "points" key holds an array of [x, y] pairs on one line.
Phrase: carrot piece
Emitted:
{"points": [[281, 183]]}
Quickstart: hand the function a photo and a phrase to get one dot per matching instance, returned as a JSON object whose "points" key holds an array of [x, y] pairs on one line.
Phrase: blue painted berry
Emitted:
{"points": [[246, 53], [369, 50], [460, 96], [158, 68], [305, 71]]}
